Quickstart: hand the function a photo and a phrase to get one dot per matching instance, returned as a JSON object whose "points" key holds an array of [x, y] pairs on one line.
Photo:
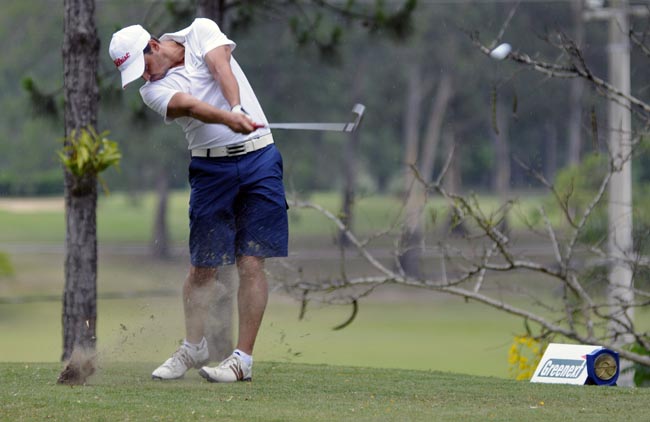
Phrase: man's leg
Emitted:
{"points": [[260, 210], [251, 303], [251, 300], [198, 291]]}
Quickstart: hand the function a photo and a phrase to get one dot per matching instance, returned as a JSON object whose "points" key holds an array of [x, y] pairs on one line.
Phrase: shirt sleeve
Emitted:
{"points": [[210, 36], [157, 98]]}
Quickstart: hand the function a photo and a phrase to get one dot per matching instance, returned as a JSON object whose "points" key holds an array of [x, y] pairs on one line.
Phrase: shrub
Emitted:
{"points": [[6, 268]]}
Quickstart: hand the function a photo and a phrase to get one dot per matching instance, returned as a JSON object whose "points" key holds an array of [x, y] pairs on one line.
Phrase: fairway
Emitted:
{"points": [[429, 334], [260, 194], [298, 392], [128, 218], [140, 312]]}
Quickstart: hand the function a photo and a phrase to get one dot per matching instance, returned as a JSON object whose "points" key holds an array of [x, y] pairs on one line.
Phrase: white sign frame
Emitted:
{"points": [[564, 364]]}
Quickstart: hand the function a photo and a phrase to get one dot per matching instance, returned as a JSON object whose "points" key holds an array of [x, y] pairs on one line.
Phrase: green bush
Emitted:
{"points": [[641, 372], [32, 183], [6, 269], [577, 187], [88, 152]]}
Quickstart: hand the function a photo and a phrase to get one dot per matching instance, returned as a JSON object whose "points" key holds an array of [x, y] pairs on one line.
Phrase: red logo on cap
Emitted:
{"points": [[120, 60]]}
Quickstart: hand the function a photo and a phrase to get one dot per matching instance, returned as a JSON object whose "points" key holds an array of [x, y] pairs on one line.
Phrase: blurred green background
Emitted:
{"points": [[140, 312]]}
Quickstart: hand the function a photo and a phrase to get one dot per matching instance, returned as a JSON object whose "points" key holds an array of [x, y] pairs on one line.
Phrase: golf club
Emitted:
{"points": [[357, 112]]}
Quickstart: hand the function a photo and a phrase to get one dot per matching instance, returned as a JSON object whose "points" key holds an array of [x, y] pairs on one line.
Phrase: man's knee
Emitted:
{"points": [[201, 276], [250, 267]]}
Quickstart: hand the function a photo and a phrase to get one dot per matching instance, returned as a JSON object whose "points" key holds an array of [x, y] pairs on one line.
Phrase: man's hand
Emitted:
{"points": [[184, 105], [241, 123]]}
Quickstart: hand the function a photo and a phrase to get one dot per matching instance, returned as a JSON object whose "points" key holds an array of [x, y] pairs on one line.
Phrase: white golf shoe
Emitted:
{"points": [[232, 369], [184, 359]]}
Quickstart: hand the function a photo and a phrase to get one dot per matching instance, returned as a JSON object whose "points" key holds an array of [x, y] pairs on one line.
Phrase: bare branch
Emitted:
{"points": [[593, 315], [587, 213], [343, 228], [505, 25], [482, 271], [554, 242], [563, 202], [639, 43], [563, 71]]}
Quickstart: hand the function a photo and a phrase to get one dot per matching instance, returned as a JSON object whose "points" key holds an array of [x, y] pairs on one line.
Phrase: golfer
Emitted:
{"points": [[238, 211]]}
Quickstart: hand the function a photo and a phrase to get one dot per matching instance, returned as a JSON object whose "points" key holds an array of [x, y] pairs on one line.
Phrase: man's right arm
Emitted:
{"points": [[185, 105]]}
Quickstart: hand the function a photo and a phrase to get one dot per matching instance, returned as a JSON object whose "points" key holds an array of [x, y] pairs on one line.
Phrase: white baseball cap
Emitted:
{"points": [[126, 52]]}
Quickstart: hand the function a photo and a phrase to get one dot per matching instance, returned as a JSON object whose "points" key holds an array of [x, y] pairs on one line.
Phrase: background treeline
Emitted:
{"points": [[297, 81]]}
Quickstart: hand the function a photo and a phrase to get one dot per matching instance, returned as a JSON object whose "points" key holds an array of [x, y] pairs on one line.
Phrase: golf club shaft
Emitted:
{"points": [[333, 127], [357, 111]]}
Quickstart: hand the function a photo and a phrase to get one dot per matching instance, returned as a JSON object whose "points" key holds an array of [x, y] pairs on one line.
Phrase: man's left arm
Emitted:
{"points": [[218, 61]]}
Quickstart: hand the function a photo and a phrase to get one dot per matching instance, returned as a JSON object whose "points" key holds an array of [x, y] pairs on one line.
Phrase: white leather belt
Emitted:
{"points": [[235, 150]]}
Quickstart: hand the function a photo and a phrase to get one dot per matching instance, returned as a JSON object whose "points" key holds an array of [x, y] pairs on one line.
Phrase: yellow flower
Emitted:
{"points": [[523, 356]]}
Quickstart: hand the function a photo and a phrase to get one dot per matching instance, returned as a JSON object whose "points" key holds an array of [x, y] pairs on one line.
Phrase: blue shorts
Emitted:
{"points": [[237, 208]]}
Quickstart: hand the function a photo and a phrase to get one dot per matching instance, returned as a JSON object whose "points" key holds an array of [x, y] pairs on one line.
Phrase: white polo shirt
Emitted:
{"points": [[194, 78]]}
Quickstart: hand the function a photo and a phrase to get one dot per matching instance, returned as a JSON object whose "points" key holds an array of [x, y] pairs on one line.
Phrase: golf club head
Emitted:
{"points": [[358, 111]]}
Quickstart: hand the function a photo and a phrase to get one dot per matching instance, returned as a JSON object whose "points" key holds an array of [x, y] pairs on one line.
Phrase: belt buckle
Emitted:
{"points": [[235, 150]]}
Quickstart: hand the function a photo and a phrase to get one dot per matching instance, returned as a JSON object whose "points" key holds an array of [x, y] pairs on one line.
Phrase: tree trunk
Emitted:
{"points": [[80, 293], [412, 113], [410, 242], [413, 234], [212, 9], [575, 121], [80, 59], [621, 295], [502, 160], [453, 181], [550, 159], [160, 241], [575, 90], [434, 127]]}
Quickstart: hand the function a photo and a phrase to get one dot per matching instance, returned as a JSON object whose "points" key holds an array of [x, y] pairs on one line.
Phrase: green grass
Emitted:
{"points": [[400, 329], [121, 218], [439, 332], [431, 334], [299, 392]]}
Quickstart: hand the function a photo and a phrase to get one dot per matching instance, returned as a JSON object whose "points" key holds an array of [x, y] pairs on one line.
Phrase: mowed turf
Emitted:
{"points": [[433, 334], [129, 219], [395, 328], [416, 330], [407, 330], [299, 392], [124, 218]]}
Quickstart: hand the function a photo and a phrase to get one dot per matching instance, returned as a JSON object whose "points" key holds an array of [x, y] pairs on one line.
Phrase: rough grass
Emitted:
{"points": [[299, 392]]}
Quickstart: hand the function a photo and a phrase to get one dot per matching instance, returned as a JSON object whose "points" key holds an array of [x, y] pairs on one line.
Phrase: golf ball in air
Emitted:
{"points": [[501, 51]]}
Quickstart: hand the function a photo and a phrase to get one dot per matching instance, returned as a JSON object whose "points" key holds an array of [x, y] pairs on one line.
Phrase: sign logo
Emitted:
{"points": [[120, 60], [562, 368], [577, 364]]}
